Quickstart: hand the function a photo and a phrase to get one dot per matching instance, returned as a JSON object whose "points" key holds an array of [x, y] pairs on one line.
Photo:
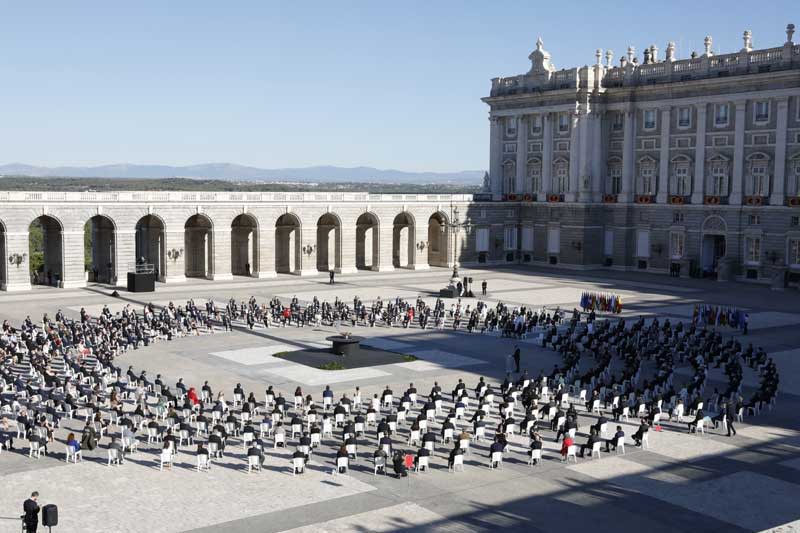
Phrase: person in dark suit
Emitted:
{"points": [[331, 276], [593, 438], [730, 413], [613, 440], [699, 415], [31, 510], [517, 357]]}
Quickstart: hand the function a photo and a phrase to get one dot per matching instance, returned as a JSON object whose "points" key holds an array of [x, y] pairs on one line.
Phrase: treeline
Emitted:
{"points": [[25, 183]]}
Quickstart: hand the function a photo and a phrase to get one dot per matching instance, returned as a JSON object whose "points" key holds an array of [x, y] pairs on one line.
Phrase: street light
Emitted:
{"points": [[17, 259], [175, 253]]}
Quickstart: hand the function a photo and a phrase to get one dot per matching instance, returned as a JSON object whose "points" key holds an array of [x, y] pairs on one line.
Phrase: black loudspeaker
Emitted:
{"points": [[50, 515], [141, 282]]}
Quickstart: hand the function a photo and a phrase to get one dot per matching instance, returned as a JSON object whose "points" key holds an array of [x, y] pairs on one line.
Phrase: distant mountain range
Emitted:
{"points": [[232, 172]]}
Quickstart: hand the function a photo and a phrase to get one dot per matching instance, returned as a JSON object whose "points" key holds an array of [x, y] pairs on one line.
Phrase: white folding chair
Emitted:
{"points": [[203, 462], [422, 462], [380, 464], [621, 445], [73, 454], [113, 456], [165, 459], [298, 465], [535, 455], [596, 449], [458, 460], [572, 451], [253, 462], [342, 462], [497, 457], [280, 438]]}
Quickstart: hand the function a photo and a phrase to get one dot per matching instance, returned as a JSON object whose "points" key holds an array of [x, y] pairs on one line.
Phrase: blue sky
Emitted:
{"points": [[280, 84]]}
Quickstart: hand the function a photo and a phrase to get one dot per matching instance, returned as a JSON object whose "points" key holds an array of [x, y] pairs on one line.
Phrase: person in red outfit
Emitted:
{"points": [[565, 444]]}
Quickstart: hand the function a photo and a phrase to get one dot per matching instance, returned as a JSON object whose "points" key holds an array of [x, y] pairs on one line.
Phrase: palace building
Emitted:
{"points": [[659, 164]]}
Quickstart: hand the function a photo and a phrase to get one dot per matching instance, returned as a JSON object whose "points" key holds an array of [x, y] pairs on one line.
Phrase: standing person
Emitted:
{"points": [[31, 510], [331, 275], [517, 356], [483, 288], [509, 364], [745, 323]]}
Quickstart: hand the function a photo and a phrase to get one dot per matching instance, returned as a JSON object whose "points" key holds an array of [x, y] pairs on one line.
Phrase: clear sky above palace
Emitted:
{"points": [[290, 84]]}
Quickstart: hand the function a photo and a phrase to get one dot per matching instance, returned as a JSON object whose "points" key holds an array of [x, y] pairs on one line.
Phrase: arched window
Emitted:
{"points": [[614, 172], [718, 176], [758, 178], [535, 174], [646, 178], [560, 176], [509, 175], [680, 176]]}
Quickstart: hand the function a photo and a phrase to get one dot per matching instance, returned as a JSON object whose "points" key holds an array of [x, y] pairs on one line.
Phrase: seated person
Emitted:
{"points": [[613, 440], [593, 438], [644, 427]]}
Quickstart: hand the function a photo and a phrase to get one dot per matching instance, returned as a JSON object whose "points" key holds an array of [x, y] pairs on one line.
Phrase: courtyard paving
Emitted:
{"points": [[702, 483]]}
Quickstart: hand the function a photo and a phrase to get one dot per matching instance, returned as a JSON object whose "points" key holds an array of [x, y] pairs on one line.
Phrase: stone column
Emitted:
{"points": [[265, 242], [73, 273], [18, 278], [663, 158], [220, 247], [599, 158], [495, 157], [347, 249], [586, 128], [574, 157], [628, 154], [735, 197], [547, 157], [520, 185], [699, 178], [777, 195], [125, 259], [176, 268], [385, 243]]}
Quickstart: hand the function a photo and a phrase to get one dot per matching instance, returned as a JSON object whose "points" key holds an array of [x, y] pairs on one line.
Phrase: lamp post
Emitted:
{"points": [[455, 229], [17, 259]]}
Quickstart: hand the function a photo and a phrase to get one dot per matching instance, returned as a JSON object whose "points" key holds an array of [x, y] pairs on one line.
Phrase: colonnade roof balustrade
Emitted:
{"points": [[221, 197]]}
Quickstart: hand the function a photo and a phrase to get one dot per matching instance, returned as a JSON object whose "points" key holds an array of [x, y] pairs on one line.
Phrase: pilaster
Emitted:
{"points": [[547, 156], [628, 154], [663, 158], [522, 155], [495, 157], [735, 197], [699, 178], [779, 179]]}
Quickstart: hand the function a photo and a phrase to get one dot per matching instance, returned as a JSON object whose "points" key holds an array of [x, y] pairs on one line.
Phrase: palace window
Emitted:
{"points": [[535, 175], [796, 176], [758, 177], [685, 117], [536, 124], [563, 122], [754, 220], [615, 177], [752, 250], [680, 178], [509, 176], [677, 217], [647, 182], [721, 114], [719, 178], [649, 119], [616, 122], [794, 252], [510, 238], [561, 184], [761, 111], [677, 243], [511, 126]]}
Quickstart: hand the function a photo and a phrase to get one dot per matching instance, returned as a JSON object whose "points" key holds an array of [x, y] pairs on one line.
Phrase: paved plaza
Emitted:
{"points": [[710, 482]]}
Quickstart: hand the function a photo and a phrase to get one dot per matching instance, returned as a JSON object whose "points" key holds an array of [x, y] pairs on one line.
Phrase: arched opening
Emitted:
{"points": [[437, 240], [329, 243], [367, 242], [198, 247], [150, 245], [46, 251], [244, 246], [99, 238], [713, 245], [3, 258], [403, 241], [287, 244]]}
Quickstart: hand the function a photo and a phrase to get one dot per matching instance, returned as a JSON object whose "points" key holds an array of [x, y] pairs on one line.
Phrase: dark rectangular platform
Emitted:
{"points": [[141, 282]]}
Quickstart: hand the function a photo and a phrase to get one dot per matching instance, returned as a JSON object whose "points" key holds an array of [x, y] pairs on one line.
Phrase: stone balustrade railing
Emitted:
{"points": [[221, 197], [744, 62]]}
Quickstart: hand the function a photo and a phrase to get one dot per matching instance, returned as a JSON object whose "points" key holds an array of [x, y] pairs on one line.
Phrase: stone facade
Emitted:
{"points": [[664, 165]]}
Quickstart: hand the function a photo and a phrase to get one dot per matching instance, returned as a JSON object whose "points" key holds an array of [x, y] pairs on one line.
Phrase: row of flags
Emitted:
{"points": [[611, 303], [712, 315]]}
